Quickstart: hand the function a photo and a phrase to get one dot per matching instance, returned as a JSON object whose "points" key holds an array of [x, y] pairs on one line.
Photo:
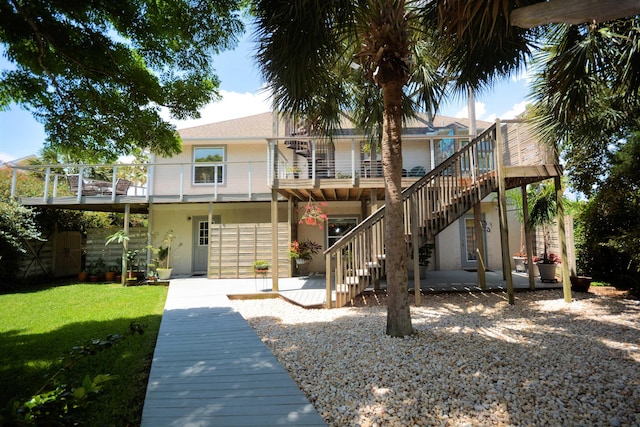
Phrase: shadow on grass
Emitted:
{"points": [[28, 360]]}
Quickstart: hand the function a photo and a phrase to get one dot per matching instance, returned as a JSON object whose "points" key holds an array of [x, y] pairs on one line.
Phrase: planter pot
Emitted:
{"points": [[519, 264], [300, 261], [547, 272], [110, 276], [164, 273], [94, 279], [83, 276], [580, 283], [257, 271]]}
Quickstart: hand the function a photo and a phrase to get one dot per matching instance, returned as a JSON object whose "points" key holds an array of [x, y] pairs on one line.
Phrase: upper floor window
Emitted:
{"points": [[208, 165]]}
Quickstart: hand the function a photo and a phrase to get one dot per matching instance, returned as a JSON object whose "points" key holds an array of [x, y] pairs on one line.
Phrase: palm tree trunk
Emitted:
{"points": [[398, 315]]}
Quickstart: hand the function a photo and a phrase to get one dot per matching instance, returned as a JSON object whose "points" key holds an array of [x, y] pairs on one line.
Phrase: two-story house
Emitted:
{"points": [[237, 191]]}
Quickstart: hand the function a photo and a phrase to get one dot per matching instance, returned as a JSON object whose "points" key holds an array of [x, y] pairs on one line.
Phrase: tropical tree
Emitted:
{"points": [[587, 93], [307, 52], [97, 74], [610, 246], [316, 55]]}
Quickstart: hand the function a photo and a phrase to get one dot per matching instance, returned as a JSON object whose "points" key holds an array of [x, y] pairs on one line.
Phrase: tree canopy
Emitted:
{"points": [[97, 73], [587, 93]]}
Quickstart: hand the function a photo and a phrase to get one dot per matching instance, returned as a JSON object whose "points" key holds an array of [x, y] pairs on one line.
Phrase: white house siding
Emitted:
{"points": [[179, 217]]}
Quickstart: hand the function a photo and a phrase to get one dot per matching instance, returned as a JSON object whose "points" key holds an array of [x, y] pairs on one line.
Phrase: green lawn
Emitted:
{"points": [[38, 327]]}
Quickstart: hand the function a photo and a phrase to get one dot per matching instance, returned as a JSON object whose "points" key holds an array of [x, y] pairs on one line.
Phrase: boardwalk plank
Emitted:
{"points": [[211, 369]]}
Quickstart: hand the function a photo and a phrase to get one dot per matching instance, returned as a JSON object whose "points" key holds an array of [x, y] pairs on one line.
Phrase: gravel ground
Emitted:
{"points": [[473, 360]]}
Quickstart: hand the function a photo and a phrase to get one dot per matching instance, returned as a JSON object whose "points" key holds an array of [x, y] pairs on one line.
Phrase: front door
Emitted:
{"points": [[201, 243], [469, 243]]}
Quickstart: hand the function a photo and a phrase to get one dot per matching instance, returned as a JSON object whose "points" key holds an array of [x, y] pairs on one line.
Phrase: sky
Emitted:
{"points": [[243, 95]]}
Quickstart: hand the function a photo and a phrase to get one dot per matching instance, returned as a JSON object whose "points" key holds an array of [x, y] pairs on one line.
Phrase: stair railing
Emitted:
{"points": [[357, 260]]}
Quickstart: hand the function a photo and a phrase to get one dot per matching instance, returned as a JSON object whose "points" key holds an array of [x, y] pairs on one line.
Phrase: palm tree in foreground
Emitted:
{"points": [[316, 55]]}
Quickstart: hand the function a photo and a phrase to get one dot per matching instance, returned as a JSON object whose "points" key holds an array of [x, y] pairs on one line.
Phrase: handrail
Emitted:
{"points": [[441, 197], [407, 192]]}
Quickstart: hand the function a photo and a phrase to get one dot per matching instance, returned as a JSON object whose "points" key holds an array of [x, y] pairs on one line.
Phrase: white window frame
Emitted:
{"points": [[335, 218], [206, 236], [219, 166]]}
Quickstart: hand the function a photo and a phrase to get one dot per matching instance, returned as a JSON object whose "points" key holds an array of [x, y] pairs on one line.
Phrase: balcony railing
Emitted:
{"points": [[140, 182], [343, 158]]}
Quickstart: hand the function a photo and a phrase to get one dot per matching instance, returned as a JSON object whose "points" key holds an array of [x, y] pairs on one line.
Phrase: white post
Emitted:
{"points": [[250, 179], [47, 178]]}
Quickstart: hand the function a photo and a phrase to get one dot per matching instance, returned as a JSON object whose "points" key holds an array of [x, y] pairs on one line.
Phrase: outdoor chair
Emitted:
{"points": [[122, 187], [417, 171], [87, 188]]}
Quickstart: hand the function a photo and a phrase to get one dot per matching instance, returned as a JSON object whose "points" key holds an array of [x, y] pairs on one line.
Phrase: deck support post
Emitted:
{"points": [[527, 237], [125, 242], [274, 240], [415, 243], [149, 233], [328, 281], [210, 220], [477, 221], [502, 203], [562, 240]]}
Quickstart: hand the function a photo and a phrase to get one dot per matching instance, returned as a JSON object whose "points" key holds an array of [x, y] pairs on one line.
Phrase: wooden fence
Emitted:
{"points": [[235, 247]]}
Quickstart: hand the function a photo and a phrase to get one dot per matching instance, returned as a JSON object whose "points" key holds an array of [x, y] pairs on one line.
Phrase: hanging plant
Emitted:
{"points": [[313, 215]]}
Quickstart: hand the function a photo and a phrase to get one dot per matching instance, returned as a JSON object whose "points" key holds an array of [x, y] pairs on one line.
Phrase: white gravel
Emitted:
{"points": [[474, 360]]}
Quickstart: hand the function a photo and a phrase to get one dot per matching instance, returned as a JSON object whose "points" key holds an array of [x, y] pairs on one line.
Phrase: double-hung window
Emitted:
{"points": [[208, 165]]}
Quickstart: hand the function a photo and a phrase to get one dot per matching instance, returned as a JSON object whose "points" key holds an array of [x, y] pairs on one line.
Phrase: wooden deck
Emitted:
{"points": [[211, 369]]}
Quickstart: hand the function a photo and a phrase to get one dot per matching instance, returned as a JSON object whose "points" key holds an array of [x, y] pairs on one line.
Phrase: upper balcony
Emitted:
{"points": [[340, 168]]}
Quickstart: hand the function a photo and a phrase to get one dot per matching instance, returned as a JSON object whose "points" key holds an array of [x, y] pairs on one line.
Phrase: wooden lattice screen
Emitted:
{"points": [[235, 247]]}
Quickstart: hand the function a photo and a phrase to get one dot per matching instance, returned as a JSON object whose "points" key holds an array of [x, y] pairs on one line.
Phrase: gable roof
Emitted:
{"points": [[261, 126], [258, 125]]}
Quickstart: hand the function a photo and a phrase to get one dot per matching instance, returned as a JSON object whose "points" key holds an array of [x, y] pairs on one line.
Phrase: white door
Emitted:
{"points": [[469, 243], [201, 243]]}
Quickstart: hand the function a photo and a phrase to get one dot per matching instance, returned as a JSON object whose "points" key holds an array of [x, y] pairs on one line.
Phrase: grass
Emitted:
{"points": [[39, 326]]}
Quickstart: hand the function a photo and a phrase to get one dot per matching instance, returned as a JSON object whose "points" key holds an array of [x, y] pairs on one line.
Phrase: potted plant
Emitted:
{"points": [[110, 275], [580, 283], [97, 270], [542, 212], [132, 277], [547, 267], [261, 266], [293, 171], [163, 255], [520, 261], [312, 214], [303, 251], [121, 237]]}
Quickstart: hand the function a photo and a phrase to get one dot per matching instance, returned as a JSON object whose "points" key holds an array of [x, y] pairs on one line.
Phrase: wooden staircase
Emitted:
{"points": [[357, 261]]}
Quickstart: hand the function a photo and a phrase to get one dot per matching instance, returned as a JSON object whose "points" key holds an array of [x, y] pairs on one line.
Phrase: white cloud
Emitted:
{"points": [[463, 113], [232, 106], [4, 157], [515, 110]]}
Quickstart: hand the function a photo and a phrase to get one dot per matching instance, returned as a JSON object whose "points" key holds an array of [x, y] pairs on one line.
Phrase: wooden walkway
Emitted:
{"points": [[211, 369]]}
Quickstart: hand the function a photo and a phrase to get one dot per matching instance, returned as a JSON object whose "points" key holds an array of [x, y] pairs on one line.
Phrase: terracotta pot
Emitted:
{"points": [[110, 276], [83, 276]]}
